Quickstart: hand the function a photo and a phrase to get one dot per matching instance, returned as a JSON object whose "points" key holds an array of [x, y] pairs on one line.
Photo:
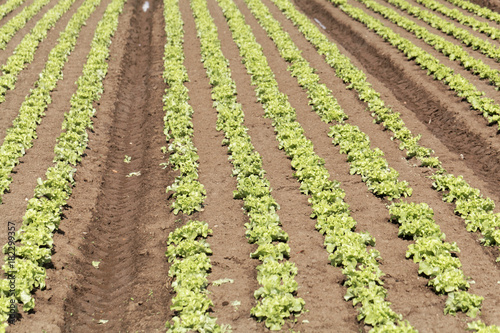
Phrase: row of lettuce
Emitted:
{"points": [[435, 256], [470, 204], [9, 6], [456, 82], [45, 209], [21, 134], [477, 9], [188, 252], [461, 34], [470, 21]]}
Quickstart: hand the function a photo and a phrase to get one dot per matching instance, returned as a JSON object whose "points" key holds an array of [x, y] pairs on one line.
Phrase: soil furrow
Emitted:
{"points": [[130, 223]]}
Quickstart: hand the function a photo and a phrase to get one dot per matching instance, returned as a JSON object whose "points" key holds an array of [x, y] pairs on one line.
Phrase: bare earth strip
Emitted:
{"points": [[130, 223]]}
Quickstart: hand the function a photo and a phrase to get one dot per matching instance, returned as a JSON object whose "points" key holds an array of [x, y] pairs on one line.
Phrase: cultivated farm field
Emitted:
{"points": [[250, 165]]}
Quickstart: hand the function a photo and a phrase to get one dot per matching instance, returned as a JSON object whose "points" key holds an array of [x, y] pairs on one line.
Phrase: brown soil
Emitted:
{"points": [[123, 222], [129, 224], [491, 4]]}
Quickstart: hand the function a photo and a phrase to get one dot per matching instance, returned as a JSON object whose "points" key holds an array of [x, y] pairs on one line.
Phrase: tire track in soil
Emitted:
{"points": [[30, 74], [130, 223], [224, 215], [408, 293], [451, 121]]}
